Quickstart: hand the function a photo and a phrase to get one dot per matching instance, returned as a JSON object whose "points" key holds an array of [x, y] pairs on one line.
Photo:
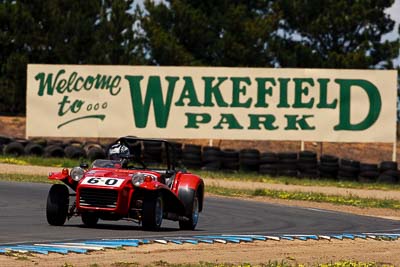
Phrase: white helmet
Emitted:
{"points": [[118, 151]]}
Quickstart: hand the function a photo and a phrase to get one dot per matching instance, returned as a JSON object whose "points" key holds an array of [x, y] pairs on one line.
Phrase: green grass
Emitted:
{"points": [[307, 196], [25, 178], [255, 177], [40, 161], [277, 194], [236, 176]]}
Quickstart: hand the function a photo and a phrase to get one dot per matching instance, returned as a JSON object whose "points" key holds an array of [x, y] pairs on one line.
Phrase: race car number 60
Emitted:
{"points": [[103, 181]]}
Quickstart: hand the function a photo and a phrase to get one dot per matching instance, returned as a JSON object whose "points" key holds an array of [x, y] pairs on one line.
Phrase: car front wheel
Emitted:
{"points": [[57, 204], [152, 214]]}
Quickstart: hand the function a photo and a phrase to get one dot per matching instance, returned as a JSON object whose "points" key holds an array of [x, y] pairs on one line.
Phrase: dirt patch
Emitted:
{"points": [[304, 252]]}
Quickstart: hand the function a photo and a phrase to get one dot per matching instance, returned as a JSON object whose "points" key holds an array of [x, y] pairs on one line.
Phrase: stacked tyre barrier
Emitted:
{"points": [[328, 166], [230, 160], [303, 164], [212, 158], [307, 164], [348, 170], [388, 172], [152, 152], [287, 164], [249, 160], [268, 164], [192, 156]]}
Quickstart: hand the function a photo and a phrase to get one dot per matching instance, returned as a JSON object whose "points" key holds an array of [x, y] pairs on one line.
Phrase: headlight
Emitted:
{"points": [[139, 178], [77, 173]]}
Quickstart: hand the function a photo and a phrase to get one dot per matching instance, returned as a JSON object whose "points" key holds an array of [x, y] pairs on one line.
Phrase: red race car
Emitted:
{"points": [[125, 187]]}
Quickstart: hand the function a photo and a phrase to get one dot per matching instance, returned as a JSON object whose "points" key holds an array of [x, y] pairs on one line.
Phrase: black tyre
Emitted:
{"points": [[287, 155], [14, 149], [152, 213], [328, 159], [307, 155], [368, 167], [230, 160], [89, 219], [350, 162], [268, 169], [388, 165], [96, 153], [34, 149], [389, 177], [192, 215], [211, 166], [194, 149], [4, 140], [152, 154], [74, 152], [268, 158], [54, 151], [57, 204]]}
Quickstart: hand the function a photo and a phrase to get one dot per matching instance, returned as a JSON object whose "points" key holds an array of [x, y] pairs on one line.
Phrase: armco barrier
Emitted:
{"points": [[96, 245]]}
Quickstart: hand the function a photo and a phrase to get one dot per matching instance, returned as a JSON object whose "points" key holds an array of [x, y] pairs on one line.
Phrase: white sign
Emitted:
{"points": [[103, 181], [212, 103]]}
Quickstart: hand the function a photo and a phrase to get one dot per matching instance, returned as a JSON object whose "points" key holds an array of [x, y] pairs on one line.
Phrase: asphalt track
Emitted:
{"points": [[23, 220]]}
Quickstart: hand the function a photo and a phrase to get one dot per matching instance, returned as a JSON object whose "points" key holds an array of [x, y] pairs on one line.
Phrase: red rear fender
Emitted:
{"points": [[188, 182]]}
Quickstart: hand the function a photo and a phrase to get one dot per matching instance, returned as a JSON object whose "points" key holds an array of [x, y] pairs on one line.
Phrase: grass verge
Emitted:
{"points": [[26, 178], [277, 194], [40, 161], [220, 175], [307, 196], [255, 177]]}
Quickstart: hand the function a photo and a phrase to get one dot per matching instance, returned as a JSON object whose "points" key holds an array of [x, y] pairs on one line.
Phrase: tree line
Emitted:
{"points": [[232, 33]]}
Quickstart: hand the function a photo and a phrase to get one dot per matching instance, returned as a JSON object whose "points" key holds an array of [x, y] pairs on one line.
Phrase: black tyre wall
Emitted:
{"points": [[230, 160], [287, 164], [34, 149], [249, 159], [54, 151], [14, 149], [211, 158], [191, 156]]}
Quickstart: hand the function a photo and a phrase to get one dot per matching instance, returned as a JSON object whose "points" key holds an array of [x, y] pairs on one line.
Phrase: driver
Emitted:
{"points": [[122, 153], [118, 152]]}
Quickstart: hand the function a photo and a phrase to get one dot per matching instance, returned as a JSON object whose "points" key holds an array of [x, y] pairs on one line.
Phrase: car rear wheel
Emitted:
{"points": [[152, 214], [89, 219], [57, 204], [193, 216]]}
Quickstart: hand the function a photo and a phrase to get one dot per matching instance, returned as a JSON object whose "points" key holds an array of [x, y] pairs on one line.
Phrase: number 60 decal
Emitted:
{"points": [[103, 181]]}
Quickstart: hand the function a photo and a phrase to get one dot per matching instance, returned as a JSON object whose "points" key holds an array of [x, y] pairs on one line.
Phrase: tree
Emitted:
{"points": [[214, 33], [335, 34], [118, 40], [61, 32]]}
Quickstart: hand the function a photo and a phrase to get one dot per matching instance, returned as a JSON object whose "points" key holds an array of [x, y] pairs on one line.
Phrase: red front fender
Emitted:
{"points": [[64, 177]]}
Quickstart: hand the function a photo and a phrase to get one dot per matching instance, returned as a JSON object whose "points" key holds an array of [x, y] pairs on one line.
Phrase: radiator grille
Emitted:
{"points": [[98, 198]]}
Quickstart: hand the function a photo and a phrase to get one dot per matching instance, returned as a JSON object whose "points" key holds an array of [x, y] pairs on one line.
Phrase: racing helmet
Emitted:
{"points": [[118, 151]]}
